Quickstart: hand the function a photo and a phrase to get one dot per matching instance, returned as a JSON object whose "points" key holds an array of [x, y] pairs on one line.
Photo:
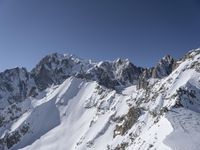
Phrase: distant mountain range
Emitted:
{"points": [[67, 103]]}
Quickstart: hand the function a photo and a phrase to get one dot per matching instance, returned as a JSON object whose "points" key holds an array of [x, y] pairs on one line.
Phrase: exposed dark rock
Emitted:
{"points": [[16, 84], [142, 84], [128, 121], [121, 146], [54, 69], [10, 139], [164, 67], [177, 104], [2, 119]]}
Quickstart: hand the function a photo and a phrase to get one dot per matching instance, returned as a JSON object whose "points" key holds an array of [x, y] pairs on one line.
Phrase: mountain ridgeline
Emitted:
{"points": [[66, 102], [53, 69]]}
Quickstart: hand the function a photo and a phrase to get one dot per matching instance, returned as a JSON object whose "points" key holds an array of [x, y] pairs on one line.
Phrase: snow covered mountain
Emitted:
{"points": [[69, 103]]}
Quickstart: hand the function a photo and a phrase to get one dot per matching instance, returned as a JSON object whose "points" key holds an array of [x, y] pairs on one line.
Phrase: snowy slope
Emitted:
{"points": [[83, 114]]}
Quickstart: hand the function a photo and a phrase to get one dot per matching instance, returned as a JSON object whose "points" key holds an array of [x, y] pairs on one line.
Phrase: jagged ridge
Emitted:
{"points": [[116, 101]]}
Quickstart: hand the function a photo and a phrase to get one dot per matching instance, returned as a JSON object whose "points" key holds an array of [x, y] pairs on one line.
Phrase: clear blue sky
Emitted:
{"points": [[141, 30]]}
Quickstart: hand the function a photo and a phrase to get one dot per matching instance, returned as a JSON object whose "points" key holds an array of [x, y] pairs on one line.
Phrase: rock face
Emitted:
{"points": [[127, 120], [164, 67], [55, 68], [116, 73], [13, 138], [15, 85]]}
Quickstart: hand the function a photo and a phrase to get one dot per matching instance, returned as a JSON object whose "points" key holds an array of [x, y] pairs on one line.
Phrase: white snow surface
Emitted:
{"points": [[82, 115]]}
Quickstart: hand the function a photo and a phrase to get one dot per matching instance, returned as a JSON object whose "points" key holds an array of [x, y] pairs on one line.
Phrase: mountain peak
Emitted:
{"points": [[121, 60], [164, 67], [191, 54], [167, 58]]}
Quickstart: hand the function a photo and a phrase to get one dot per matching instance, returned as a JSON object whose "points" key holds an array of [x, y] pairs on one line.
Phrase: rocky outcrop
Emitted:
{"points": [[127, 121], [10, 139], [55, 68], [165, 66], [142, 83], [116, 73], [15, 85]]}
